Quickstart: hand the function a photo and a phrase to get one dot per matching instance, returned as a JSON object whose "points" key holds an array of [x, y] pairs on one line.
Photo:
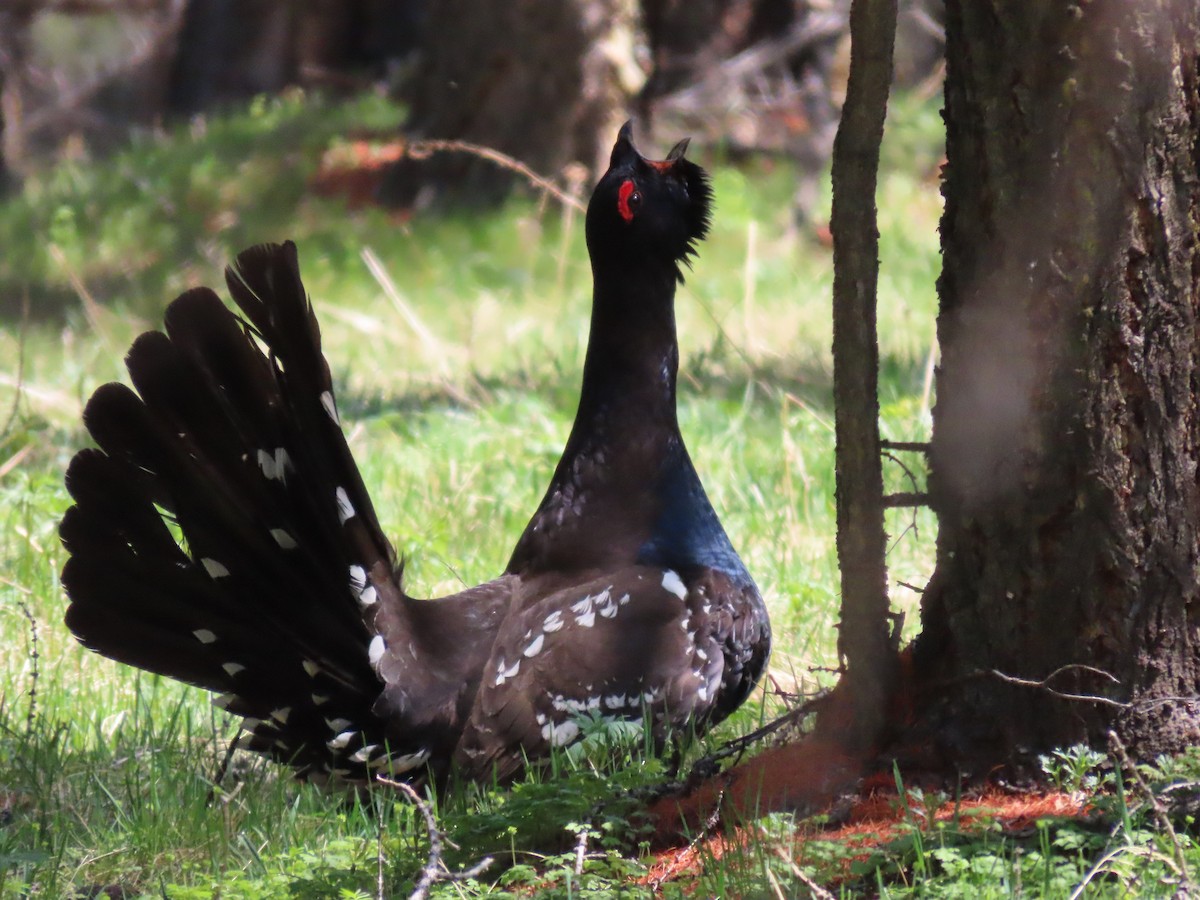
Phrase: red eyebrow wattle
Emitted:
{"points": [[623, 193]]}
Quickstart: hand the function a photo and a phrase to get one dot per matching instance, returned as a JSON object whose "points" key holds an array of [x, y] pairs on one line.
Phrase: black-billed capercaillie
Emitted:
{"points": [[623, 597]]}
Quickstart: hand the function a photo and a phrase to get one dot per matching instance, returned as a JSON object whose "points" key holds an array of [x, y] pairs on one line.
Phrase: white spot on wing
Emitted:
{"points": [[582, 607], [504, 673], [330, 407], [535, 646], [283, 539], [281, 715], [338, 725], [345, 507], [562, 733], [553, 622], [214, 568], [364, 753], [375, 649], [233, 668], [204, 636], [587, 620], [224, 701], [673, 583], [339, 742]]}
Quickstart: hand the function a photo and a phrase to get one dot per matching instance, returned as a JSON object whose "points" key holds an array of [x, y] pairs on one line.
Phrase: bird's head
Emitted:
{"points": [[647, 211]]}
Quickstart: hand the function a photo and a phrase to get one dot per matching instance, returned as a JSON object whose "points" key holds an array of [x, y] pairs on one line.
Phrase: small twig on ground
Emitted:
{"points": [[434, 869], [581, 850], [222, 770], [379, 889], [422, 149], [818, 892], [33, 657], [1044, 684], [1161, 819]]}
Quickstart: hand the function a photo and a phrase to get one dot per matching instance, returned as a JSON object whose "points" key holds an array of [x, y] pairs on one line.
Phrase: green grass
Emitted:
{"points": [[109, 781]]}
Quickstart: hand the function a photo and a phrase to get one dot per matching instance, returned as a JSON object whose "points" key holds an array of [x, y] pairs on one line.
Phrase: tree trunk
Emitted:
{"points": [[530, 78], [1067, 428]]}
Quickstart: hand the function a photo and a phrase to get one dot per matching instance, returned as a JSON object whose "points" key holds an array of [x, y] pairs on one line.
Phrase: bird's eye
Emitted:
{"points": [[628, 200]]}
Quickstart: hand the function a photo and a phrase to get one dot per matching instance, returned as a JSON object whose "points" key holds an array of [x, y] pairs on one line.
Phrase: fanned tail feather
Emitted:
{"points": [[281, 594]]}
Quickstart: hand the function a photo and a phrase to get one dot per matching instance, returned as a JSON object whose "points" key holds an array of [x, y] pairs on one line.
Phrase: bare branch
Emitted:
{"points": [[423, 149], [906, 498], [434, 869], [911, 446], [1044, 684]]}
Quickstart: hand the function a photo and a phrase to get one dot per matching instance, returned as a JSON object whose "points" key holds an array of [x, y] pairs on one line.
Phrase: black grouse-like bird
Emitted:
{"points": [[623, 598]]}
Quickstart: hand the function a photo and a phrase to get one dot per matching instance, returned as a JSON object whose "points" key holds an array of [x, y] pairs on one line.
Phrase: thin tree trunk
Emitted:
{"points": [[1067, 430], [863, 640]]}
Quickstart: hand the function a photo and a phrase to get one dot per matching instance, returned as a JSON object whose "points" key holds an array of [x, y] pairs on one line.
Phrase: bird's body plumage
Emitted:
{"points": [[623, 597]]}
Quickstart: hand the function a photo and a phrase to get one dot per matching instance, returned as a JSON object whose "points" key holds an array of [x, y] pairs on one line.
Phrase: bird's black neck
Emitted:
{"points": [[625, 491], [632, 361]]}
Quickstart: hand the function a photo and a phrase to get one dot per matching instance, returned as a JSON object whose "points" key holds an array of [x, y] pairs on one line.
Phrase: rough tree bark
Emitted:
{"points": [[1067, 430]]}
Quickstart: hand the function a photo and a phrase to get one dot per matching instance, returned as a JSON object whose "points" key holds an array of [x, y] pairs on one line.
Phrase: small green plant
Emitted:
{"points": [[1076, 769]]}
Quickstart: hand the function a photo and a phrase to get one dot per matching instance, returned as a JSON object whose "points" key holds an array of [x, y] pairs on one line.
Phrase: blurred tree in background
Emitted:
{"points": [[544, 82]]}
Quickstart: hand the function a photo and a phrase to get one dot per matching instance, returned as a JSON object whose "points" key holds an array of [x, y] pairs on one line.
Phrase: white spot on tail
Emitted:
{"points": [[535, 646], [375, 649], [266, 462], [409, 761], [311, 668], [214, 568], [320, 699], [281, 715], [365, 753], [224, 701], [614, 701], [340, 742], [233, 668], [204, 636], [625, 598], [283, 539], [338, 725], [283, 462], [358, 578], [330, 407], [553, 622], [368, 596], [702, 692], [673, 583], [345, 507]]}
